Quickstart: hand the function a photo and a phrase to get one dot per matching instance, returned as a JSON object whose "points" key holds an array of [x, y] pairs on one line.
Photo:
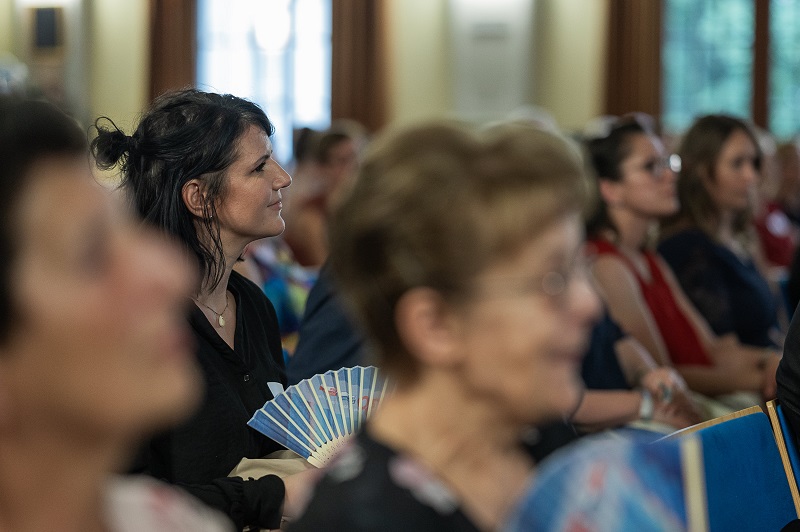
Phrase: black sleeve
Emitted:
{"points": [[788, 374], [793, 283], [251, 502]]}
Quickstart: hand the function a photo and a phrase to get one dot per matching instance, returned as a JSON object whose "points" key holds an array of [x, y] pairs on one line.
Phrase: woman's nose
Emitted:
{"points": [[585, 302], [282, 177]]}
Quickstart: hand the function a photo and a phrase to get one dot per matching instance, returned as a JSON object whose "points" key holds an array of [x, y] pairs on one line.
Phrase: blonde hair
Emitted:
{"points": [[434, 205]]}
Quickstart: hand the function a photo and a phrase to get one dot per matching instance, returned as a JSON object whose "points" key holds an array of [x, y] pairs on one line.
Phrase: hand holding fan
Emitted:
{"points": [[315, 416]]}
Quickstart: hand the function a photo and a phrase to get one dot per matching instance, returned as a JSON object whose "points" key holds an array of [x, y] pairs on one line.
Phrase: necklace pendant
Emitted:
{"points": [[221, 321]]}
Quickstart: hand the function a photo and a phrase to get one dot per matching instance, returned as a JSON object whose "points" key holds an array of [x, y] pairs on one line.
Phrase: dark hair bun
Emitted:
{"points": [[111, 146]]}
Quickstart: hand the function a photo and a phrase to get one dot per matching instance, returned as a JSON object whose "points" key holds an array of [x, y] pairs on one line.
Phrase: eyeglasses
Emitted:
{"points": [[656, 166], [553, 284]]}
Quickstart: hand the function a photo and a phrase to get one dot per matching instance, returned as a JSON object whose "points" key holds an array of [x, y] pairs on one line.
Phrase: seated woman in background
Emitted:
{"points": [[711, 243], [334, 154], [199, 166], [777, 234], [637, 187], [94, 350], [460, 255]]}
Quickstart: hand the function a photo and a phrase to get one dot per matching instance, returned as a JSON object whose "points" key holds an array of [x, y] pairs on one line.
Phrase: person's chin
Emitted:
{"points": [[568, 390]]}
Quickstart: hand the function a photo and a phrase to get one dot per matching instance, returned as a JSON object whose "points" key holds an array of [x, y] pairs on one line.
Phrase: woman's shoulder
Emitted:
{"points": [[688, 235], [135, 503], [680, 246]]}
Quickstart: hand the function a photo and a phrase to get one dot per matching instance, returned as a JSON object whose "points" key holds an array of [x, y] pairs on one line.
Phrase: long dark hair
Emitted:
{"points": [[30, 131], [606, 155], [700, 150], [185, 135]]}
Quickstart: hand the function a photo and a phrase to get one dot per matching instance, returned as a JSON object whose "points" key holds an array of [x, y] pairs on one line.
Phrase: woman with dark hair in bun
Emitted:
{"points": [[200, 167]]}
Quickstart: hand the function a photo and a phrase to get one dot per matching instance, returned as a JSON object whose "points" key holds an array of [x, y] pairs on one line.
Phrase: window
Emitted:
{"points": [[707, 59], [710, 60], [784, 94], [266, 52]]}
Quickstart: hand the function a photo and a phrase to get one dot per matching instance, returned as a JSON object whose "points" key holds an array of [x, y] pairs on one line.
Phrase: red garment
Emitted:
{"points": [[682, 341], [775, 232]]}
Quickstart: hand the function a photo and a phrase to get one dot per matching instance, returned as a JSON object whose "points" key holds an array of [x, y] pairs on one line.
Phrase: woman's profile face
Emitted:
{"points": [[101, 345], [735, 178], [252, 202], [527, 331], [648, 184]]}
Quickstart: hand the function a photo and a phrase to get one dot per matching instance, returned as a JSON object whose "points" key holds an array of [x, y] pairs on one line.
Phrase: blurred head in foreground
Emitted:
{"points": [[460, 254], [94, 352]]}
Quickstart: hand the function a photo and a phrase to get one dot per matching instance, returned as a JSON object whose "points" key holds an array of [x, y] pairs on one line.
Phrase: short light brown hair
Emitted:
{"points": [[434, 205]]}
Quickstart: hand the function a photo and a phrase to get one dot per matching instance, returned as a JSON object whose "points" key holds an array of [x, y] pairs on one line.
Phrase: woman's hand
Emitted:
{"points": [[675, 416], [673, 404], [299, 488], [662, 383]]}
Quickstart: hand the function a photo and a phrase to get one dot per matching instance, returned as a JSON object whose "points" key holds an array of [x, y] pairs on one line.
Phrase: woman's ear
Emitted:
{"points": [[609, 191], [426, 327], [194, 197]]}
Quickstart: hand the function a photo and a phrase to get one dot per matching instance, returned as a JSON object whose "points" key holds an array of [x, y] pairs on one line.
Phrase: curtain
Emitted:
{"points": [[173, 45], [359, 84], [634, 57]]}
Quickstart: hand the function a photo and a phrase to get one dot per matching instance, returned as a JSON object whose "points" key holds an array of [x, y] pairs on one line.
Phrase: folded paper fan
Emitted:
{"points": [[316, 416]]}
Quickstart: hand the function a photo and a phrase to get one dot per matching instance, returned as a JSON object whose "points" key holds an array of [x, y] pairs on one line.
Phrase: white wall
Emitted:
{"points": [[420, 68], [119, 83], [6, 28], [569, 52], [570, 78], [569, 60], [106, 61]]}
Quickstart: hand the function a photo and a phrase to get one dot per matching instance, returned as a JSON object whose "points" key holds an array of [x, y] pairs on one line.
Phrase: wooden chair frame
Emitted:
{"points": [[780, 440]]}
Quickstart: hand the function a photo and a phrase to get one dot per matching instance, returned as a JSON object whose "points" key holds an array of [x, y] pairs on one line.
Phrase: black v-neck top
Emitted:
{"points": [[202, 451]]}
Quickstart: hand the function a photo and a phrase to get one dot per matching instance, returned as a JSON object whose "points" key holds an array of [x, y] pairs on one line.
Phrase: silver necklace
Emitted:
{"points": [[220, 318]]}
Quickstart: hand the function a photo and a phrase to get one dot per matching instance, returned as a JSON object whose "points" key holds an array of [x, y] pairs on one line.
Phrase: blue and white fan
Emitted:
{"points": [[316, 416]]}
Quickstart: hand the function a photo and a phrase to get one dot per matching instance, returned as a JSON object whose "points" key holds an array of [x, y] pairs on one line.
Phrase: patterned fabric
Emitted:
{"points": [[370, 487], [135, 504], [606, 484]]}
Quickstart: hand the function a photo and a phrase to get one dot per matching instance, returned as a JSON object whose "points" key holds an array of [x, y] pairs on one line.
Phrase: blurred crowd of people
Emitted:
{"points": [[522, 287]]}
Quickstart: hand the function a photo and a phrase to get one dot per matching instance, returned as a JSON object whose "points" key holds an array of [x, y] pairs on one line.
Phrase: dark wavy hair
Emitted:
{"points": [[30, 131], [186, 134], [606, 155]]}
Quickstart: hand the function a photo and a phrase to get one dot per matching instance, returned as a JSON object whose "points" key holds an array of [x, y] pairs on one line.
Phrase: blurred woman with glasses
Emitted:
{"points": [[460, 255]]}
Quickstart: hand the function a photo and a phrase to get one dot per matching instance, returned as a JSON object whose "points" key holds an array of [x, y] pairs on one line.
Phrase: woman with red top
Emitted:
{"points": [[637, 187]]}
